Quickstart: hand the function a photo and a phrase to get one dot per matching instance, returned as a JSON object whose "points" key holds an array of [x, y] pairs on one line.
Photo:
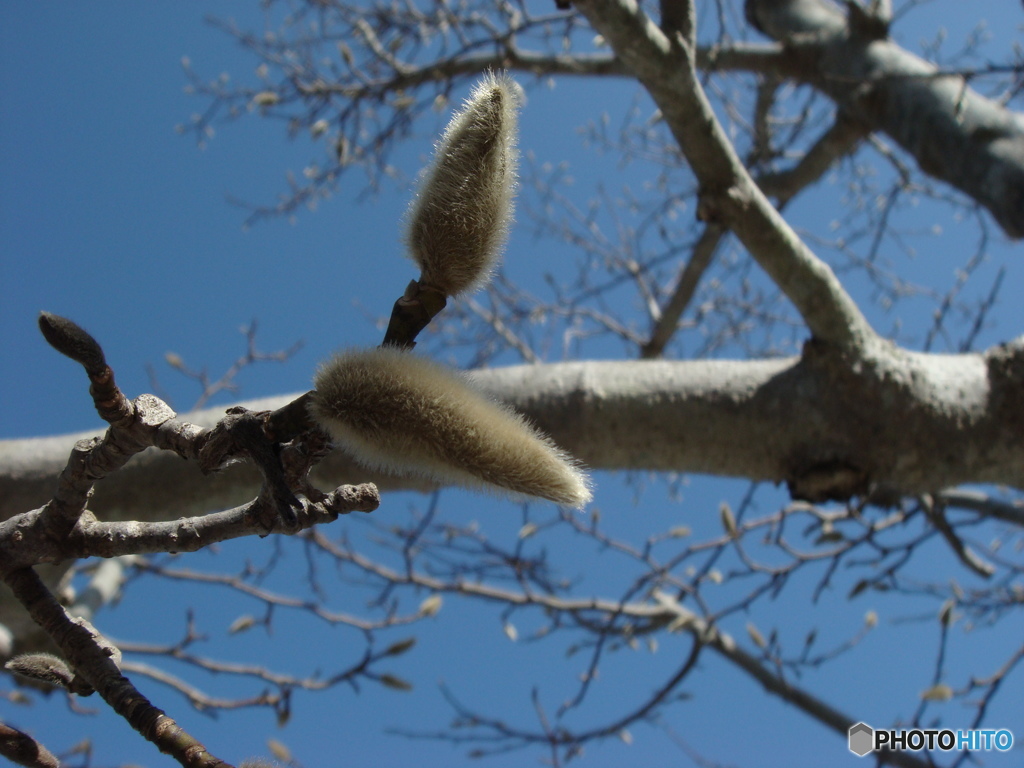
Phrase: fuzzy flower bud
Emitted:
{"points": [[400, 413], [44, 667], [457, 224]]}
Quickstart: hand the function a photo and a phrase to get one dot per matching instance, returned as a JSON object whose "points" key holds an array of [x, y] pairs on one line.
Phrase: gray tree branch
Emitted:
{"points": [[910, 423], [668, 71], [968, 141]]}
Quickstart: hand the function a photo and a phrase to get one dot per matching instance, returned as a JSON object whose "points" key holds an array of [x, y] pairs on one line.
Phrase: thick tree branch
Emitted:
{"points": [[729, 196], [984, 504], [913, 423], [956, 135], [841, 139]]}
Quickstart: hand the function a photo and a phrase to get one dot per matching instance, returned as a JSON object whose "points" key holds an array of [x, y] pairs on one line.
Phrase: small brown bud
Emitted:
{"points": [[71, 340]]}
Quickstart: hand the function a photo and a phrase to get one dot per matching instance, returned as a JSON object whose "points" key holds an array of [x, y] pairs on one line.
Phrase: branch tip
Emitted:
{"points": [[22, 749], [72, 341]]}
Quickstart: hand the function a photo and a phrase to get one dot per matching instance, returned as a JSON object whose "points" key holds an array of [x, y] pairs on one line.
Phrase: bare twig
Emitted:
{"points": [[22, 749], [87, 658]]}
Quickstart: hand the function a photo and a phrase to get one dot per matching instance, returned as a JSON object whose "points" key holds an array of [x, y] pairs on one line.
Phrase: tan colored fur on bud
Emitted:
{"points": [[400, 413], [44, 667], [456, 226]]}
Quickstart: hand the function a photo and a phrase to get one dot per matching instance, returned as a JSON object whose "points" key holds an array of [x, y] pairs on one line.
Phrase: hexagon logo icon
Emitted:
{"points": [[862, 738]]}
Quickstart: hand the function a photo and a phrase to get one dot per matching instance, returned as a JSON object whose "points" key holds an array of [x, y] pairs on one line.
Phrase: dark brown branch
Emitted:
{"points": [[291, 420], [137, 425], [412, 313], [241, 433], [94, 459], [79, 646], [984, 504], [25, 541], [22, 749]]}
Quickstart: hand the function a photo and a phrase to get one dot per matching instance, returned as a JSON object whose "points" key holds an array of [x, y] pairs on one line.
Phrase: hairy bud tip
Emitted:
{"points": [[403, 414], [457, 224]]}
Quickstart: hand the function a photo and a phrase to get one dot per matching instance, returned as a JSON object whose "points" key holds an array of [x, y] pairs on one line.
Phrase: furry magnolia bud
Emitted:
{"points": [[398, 412], [457, 224], [44, 667]]}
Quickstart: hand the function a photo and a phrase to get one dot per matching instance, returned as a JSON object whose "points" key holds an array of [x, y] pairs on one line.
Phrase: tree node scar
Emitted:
{"points": [[241, 434], [828, 481]]}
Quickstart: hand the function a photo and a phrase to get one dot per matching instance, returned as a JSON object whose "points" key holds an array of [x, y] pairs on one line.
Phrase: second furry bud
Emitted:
{"points": [[457, 224]]}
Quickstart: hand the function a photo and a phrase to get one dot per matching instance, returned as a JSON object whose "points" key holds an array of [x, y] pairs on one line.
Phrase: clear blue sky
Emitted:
{"points": [[109, 217]]}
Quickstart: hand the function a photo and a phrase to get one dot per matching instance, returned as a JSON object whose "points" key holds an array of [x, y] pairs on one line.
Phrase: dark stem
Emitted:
{"points": [[412, 313], [80, 648], [22, 749]]}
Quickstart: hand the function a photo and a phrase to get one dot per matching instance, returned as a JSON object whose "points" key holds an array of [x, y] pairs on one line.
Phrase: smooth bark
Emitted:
{"points": [[906, 423], [956, 135]]}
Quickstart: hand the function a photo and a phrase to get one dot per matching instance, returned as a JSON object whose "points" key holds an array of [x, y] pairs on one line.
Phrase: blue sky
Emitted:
{"points": [[109, 217]]}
